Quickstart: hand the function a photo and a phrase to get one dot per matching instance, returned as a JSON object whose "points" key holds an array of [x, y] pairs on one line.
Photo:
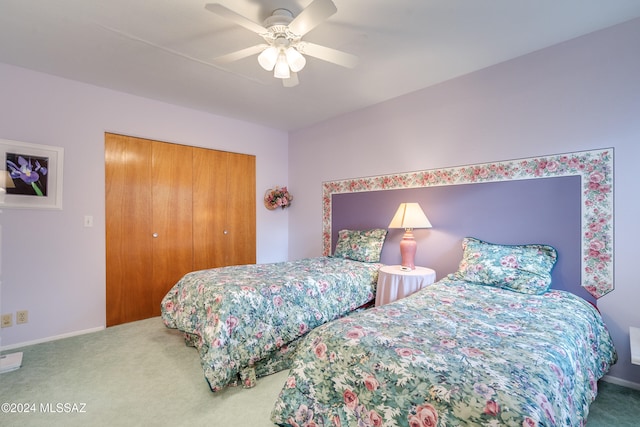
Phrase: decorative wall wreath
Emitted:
{"points": [[278, 197]]}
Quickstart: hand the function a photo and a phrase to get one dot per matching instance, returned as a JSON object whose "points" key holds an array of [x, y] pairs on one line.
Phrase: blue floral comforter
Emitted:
{"points": [[242, 319], [453, 354]]}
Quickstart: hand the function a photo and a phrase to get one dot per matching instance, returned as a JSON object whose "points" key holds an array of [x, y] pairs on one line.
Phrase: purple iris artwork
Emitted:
{"points": [[29, 174]]}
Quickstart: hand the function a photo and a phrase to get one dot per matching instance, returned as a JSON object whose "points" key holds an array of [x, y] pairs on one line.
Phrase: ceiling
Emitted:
{"points": [[165, 49]]}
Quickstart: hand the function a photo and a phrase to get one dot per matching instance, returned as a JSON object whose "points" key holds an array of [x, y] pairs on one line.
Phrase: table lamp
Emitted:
{"points": [[409, 216]]}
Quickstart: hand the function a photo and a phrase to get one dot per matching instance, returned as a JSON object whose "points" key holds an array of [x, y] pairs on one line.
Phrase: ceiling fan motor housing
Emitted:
{"points": [[278, 25], [278, 21]]}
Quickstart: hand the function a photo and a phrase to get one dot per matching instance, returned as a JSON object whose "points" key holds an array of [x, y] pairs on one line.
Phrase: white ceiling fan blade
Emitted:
{"points": [[240, 54], [316, 13], [229, 14], [327, 54], [291, 81]]}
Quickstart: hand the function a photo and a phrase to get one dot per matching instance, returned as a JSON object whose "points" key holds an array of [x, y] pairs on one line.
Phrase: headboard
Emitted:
{"points": [[563, 200]]}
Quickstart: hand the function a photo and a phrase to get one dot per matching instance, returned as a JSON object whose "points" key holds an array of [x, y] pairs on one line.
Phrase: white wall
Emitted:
{"points": [[580, 95], [51, 265]]}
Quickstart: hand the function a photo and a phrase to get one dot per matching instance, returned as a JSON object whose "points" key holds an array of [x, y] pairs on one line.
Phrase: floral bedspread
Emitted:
{"points": [[453, 354], [242, 319]]}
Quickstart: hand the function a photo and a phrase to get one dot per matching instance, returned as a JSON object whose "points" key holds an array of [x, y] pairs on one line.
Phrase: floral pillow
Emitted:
{"points": [[521, 268], [365, 245]]}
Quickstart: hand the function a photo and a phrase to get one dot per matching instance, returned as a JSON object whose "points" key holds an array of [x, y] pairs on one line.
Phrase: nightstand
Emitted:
{"points": [[395, 283]]}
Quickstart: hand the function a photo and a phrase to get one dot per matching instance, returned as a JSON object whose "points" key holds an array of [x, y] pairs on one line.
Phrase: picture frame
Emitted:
{"points": [[31, 175]]}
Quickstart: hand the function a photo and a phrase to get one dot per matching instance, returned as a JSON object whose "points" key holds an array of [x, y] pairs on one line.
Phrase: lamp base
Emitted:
{"points": [[408, 246]]}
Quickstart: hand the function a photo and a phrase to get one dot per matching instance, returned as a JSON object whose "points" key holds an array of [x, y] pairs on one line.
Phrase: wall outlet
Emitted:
{"points": [[22, 316], [7, 320]]}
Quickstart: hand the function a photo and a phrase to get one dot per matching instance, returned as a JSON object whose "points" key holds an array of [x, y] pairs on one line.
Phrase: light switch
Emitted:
{"points": [[88, 221]]}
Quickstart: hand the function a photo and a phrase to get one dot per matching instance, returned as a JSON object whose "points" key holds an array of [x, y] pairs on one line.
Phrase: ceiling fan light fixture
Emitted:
{"points": [[281, 69], [268, 58], [284, 52], [295, 59]]}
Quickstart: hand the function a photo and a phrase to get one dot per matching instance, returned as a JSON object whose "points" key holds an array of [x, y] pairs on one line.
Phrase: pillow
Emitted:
{"points": [[364, 245], [521, 268]]}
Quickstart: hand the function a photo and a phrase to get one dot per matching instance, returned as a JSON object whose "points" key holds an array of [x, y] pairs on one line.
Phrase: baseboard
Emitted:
{"points": [[619, 381], [54, 338]]}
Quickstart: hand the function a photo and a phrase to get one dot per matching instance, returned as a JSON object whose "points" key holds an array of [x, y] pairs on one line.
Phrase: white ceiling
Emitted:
{"points": [[142, 47]]}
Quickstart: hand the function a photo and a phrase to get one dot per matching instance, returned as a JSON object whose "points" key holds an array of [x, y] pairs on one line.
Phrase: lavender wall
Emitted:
{"points": [[583, 94], [516, 212], [52, 265]]}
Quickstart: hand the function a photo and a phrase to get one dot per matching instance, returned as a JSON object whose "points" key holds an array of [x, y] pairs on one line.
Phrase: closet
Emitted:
{"points": [[171, 209]]}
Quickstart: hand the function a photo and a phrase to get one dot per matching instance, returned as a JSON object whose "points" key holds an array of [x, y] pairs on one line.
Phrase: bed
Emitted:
{"points": [[489, 345], [245, 320]]}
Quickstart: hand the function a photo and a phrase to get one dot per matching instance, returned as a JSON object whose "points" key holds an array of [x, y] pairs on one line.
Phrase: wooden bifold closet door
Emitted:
{"points": [[224, 209], [171, 209]]}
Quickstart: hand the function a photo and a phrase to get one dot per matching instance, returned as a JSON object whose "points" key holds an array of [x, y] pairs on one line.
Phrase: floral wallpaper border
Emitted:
{"points": [[595, 167]]}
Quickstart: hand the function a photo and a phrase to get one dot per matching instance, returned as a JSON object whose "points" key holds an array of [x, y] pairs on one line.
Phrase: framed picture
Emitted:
{"points": [[30, 175]]}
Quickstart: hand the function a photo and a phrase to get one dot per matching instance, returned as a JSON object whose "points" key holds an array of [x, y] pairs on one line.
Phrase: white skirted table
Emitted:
{"points": [[395, 283]]}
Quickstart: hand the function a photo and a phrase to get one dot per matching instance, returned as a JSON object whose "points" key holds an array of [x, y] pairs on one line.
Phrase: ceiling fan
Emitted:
{"points": [[283, 51]]}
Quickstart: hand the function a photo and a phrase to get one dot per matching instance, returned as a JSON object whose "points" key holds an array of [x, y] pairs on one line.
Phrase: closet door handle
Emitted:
{"points": [[155, 235], [225, 232]]}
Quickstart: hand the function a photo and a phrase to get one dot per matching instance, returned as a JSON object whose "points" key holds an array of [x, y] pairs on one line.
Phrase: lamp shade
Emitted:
{"points": [[409, 215], [281, 70], [295, 59], [267, 59]]}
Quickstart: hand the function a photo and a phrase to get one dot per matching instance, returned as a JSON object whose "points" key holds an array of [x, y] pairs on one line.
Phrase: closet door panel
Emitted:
{"points": [[241, 218], [172, 233], [209, 211], [128, 247], [224, 209]]}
